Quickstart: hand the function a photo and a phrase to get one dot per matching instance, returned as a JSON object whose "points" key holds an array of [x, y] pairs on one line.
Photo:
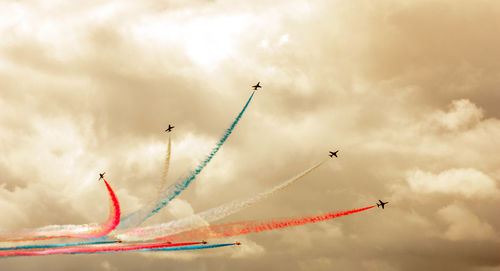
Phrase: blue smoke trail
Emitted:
{"points": [[58, 245], [195, 247], [139, 216], [189, 247]]}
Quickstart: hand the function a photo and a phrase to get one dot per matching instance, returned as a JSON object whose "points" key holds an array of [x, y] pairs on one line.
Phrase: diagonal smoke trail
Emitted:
{"points": [[217, 213], [139, 216], [246, 227]]}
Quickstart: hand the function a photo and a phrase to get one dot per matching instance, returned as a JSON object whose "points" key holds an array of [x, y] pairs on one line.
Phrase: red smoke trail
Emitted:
{"points": [[190, 222], [74, 231], [94, 249], [245, 227], [113, 219]]}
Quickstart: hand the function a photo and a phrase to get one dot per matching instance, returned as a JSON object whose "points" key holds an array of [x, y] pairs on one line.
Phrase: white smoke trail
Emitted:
{"points": [[139, 216], [92, 230], [163, 182], [202, 219]]}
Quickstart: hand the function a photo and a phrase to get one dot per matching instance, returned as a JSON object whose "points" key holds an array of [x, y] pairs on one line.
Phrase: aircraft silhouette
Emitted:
{"points": [[333, 154], [169, 129], [381, 204], [257, 86], [101, 176]]}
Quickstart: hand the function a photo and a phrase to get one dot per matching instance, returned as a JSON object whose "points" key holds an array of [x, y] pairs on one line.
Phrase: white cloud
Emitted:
{"points": [[462, 114], [180, 208], [247, 249], [284, 39], [468, 182], [106, 265], [331, 231], [464, 225]]}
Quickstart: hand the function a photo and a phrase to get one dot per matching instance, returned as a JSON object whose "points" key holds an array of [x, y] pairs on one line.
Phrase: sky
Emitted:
{"points": [[408, 91]]}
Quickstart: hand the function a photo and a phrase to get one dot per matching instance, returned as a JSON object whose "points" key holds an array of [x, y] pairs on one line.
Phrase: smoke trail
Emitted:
{"points": [[191, 247], [245, 227], [58, 245], [93, 230], [110, 224], [163, 182], [94, 249], [139, 216], [217, 213], [167, 248]]}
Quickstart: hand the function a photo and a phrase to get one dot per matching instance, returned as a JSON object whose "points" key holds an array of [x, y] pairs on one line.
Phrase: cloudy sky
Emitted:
{"points": [[407, 90]]}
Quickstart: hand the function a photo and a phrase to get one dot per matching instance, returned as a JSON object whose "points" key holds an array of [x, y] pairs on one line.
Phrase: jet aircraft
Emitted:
{"points": [[237, 243], [381, 204], [257, 86], [169, 129], [101, 176], [333, 154]]}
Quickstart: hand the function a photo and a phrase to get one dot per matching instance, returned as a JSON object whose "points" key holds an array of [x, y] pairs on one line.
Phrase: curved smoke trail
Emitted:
{"points": [[93, 230], [246, 227], [214, 214], [94, 249], [112, 222], [139, 216]]}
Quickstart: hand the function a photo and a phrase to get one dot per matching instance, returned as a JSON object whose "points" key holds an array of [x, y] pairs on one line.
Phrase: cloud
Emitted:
{"points": [[467, 182], [408, 90], [464, 225], [248, 248], [106, 265], [461, 114], [179, 208]]}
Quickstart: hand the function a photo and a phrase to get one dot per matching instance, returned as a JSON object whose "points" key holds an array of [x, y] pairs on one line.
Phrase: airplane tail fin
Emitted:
{"points": [[378, 205]]}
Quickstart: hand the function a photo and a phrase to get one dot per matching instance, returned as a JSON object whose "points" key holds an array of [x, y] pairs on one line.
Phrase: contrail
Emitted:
{"points": [[94, 249], [139, 216], [214, 214], [191, 247], [58, 245], [246, 227], [93, 230], [163, 182]]}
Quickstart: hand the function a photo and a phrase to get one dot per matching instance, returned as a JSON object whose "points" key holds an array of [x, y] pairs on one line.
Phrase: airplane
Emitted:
{"points": [[204, 242], [169, 129], [237, 243], [381, 204], [333, 153], [257, 86], [101, 175]]}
